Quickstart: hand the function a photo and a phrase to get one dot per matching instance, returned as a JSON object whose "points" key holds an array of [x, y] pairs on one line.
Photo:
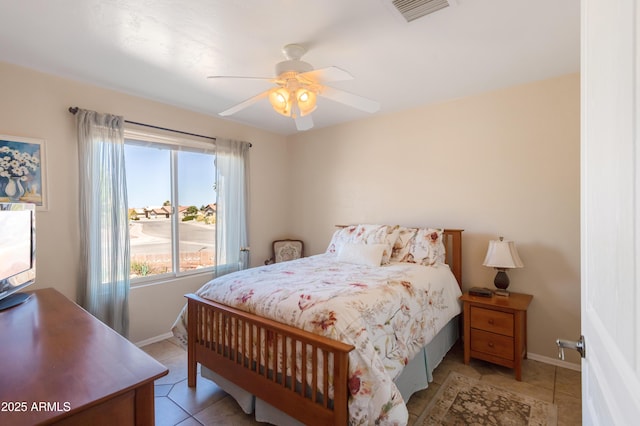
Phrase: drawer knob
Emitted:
{"points": [[490, 344], [491, 321]]}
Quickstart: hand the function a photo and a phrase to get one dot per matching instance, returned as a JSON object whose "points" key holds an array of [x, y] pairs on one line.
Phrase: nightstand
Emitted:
{"points": [[495, 329]]}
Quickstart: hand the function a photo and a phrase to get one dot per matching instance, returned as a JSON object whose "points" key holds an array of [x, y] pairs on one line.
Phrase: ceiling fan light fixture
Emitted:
{"points": [[306, 100], [298, 85], [280, 101]]}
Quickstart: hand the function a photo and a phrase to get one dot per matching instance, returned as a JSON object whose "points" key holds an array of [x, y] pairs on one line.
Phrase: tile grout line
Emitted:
{"points": [[192, 416]]}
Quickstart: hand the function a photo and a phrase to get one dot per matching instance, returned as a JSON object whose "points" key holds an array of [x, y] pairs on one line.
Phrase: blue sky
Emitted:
{"points": [[149, 179]]}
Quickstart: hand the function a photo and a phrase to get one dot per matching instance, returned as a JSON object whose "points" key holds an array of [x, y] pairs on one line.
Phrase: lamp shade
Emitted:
{"points": [[502, 254], [280, 99], [306, 101]]}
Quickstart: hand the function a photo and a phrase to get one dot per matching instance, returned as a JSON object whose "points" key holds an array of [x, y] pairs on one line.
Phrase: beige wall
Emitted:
{"points": [[505, 163], [36, 105]]}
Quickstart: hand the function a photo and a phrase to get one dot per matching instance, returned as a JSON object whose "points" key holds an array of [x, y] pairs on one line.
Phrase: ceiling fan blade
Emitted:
{"points": [[350, 99], [240, 77], [326, 75], [244, 104], [304, 123]]}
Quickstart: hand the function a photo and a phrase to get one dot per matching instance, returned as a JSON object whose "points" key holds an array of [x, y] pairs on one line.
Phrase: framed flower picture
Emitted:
{"points": [[22, 171]]}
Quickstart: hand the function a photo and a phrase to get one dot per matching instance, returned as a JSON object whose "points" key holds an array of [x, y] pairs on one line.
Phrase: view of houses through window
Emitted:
{"points": [[172, 210]]}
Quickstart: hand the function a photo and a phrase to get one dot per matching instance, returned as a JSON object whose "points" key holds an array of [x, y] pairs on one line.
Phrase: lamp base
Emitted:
{"points": [[501, 282]]}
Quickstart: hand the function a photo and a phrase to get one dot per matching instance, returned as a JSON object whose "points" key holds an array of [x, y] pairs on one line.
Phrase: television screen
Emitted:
{"points": [[17, 249]]}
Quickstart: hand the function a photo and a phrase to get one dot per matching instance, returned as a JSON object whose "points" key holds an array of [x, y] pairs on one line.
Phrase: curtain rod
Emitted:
{"points": [[74, 111]]}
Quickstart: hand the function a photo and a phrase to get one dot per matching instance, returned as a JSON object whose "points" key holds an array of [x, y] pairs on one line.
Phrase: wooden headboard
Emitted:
{"points": [[453, 246]]}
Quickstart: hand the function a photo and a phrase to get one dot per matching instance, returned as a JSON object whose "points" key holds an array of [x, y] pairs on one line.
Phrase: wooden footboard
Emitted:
{"points": [[288, 368]]}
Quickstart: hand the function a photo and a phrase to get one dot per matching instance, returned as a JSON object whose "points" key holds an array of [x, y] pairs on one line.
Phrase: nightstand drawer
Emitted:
{"points": [[493, 321], [490, 343]]}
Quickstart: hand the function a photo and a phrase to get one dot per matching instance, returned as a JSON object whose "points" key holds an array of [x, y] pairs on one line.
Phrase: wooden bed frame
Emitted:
{"points": [[229, 342]]}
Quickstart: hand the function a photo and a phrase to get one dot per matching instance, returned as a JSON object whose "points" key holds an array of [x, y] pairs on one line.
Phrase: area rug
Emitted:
{"points": [[462, 400]]}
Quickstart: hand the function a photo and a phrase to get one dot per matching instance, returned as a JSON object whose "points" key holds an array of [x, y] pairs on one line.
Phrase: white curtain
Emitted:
{"points": [[232, 168], [104, 230]]}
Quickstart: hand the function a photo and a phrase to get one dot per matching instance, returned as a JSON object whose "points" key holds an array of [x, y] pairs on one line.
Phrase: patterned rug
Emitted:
{"points": [[462, 400]]}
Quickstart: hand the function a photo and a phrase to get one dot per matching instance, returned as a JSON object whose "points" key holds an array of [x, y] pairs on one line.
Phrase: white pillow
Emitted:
{"points": [[362, 254]]}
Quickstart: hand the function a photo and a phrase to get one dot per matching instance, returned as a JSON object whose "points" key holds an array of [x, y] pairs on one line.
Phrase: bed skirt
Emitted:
{"points": [[416, 376]]}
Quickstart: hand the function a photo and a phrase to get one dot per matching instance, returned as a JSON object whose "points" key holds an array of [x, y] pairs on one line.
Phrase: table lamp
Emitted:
{"points": [[502, 255]]}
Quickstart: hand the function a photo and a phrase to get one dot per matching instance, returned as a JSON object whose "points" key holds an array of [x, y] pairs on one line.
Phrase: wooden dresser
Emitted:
{"points": [[60, 365], [495, 329]]}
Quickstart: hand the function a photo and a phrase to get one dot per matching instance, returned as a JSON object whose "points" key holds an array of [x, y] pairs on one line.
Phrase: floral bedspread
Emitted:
{"points": [[388, 313]]}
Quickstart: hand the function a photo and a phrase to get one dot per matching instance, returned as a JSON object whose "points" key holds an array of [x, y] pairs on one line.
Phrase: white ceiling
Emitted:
{"points": [[164, 49]]}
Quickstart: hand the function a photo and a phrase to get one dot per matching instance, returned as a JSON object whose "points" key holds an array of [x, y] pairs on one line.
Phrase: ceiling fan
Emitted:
{"points": [[297, 87]]}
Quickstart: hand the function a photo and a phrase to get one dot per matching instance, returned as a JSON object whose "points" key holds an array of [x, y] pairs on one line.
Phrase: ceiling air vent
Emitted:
{"points": [[414, 9]]}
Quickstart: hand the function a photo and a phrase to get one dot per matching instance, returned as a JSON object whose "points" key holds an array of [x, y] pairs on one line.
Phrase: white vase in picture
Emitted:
{"points": [[14, 189]]}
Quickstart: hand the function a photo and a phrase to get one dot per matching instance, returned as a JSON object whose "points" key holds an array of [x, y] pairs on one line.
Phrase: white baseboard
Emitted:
{"points": [[554, 361], [155, 339]]}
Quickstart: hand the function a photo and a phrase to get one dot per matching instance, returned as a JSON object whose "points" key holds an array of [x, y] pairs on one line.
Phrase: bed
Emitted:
{"points": [[342, 337]]}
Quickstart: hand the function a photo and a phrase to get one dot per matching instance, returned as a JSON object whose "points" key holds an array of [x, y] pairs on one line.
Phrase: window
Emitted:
{"points": [[171, 189]]}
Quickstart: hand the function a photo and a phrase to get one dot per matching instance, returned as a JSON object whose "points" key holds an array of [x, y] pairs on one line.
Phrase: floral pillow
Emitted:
{"points": [[366, 234], [381, 234], [403, 244], [427, 247], [340, 237]]}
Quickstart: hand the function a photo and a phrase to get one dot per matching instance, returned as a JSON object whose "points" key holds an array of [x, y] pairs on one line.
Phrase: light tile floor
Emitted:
{"points": [[207, 404]]}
